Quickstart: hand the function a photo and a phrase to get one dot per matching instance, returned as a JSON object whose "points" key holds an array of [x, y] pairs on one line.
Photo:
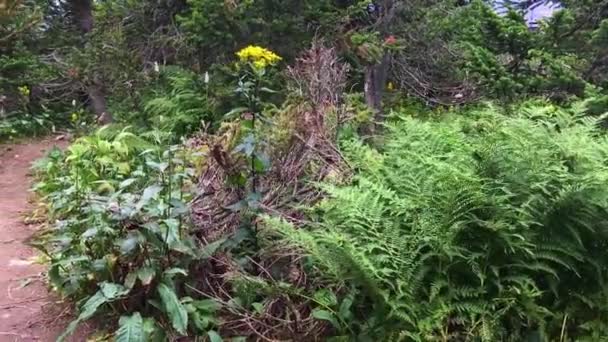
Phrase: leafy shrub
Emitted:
{"points": [[121, 240], [479, 226]]}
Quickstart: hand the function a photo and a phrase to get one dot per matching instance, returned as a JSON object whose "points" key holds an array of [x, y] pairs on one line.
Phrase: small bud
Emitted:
{"points": [[156, 67], [73, 103], [206, 78]]}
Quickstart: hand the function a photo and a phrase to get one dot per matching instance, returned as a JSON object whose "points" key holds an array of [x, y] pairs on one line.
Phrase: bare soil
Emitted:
{"points": [[28, 312]]}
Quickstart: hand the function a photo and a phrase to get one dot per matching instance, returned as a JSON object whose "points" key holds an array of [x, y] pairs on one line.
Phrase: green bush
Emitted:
{"points": [[121, 242], [480, 226]]}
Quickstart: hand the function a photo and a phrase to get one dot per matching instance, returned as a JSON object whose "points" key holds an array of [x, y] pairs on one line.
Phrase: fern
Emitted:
{"points": [[476, 225], [184, 108]]}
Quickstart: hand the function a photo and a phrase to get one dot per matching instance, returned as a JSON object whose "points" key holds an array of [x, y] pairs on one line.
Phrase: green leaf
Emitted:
{"points": [[171, 231], [130, 243], [160, 167], [325, 297], [247, 146], [130, 280], [131, 329], [146, 275], [235, 112], [206, 305], [125, 183], [87, 311], [176, 270], [214, 336], [173, 307], [267, 90], [112, 291], [326, 316], [258, 307], [149, 193], [153, 332]]}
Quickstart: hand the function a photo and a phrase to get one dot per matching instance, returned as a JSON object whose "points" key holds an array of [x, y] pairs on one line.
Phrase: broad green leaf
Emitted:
{"points": [[152, 332], [146, 275], [87, 311], [235, 112], [130, 280], [326, 316], [258, 307], [112, 291], [131, 329], [129, 244], [125, 183], [161, 167], [149, 193], [173, 307], [209, 249], [214, 336], [206, 305], [176, 270], [325, 297]]}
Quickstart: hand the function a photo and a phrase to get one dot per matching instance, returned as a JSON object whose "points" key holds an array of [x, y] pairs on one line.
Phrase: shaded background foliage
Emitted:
{"points": [[365, 191]]}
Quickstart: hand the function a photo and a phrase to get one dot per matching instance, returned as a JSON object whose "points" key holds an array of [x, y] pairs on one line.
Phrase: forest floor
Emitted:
{"points": [[28, 312]]}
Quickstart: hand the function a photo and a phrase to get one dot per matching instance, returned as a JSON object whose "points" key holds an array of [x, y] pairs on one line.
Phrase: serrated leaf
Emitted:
{"points": [[131, 329], [173, 307]]}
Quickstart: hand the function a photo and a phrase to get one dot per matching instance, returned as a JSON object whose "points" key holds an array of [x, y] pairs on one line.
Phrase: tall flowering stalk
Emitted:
{"points": [[254, 61], [253, 65]]}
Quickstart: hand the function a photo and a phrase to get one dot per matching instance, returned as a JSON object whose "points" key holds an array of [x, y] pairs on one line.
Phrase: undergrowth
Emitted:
{"points": [[478, 226]]}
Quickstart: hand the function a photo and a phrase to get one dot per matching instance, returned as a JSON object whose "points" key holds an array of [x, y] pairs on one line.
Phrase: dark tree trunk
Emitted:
{"points": [[82, 11], [376, 76]]}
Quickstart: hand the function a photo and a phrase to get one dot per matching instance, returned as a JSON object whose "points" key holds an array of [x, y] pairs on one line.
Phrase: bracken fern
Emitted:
{"points": [[480, 226]]}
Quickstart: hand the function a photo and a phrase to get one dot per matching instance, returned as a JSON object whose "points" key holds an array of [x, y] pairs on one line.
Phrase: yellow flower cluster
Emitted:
{"points": [[25, 91], [259, 56]]}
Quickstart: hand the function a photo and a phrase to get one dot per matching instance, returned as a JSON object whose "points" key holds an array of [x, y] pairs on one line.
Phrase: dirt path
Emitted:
{"points": [[27, 311]]}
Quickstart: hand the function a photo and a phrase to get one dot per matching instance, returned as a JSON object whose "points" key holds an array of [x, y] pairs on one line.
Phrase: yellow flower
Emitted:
{"points": [[390, 86], [24, 90], [259, 56], [74, 117]]}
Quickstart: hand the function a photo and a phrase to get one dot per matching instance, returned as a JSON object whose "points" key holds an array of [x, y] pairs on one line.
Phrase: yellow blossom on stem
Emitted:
{"points": [[258, 56]]}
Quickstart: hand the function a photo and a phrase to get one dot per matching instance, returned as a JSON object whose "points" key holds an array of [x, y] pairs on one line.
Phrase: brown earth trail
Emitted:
{"points": [[27, 311]]}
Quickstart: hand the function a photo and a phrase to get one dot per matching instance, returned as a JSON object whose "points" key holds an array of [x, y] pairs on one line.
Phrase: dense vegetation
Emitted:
{"points": [[321, 169]]}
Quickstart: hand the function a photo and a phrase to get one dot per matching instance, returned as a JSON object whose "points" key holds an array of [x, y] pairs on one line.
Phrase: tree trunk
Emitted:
{"points": [[99, 105], [82, 10], [376, 76]]}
